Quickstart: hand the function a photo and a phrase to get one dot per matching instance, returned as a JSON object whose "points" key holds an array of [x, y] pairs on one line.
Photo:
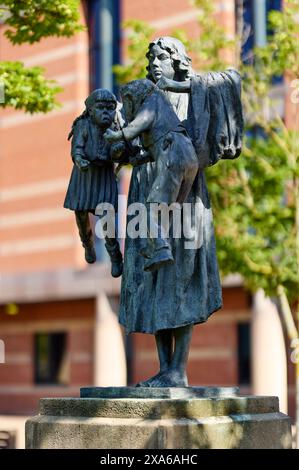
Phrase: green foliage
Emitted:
{"points": [[29, 21], [27, 88], [140, 34], [254, 207], [208, 48], [279, 57], [281, 54], [256, 197]]}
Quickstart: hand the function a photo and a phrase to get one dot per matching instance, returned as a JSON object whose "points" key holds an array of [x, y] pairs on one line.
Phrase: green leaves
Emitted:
{"points": [[139, 36], [255, 216], [31, 20], [209, 47], [27, 88]]}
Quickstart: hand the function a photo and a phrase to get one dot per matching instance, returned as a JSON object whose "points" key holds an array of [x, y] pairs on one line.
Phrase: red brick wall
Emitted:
{"points": [[18, 393], [167, 16], [213, 358], [36, 232]]}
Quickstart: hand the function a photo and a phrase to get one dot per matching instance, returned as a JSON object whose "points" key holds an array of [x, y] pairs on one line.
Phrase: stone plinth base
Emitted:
{"points": [[198, 418]]}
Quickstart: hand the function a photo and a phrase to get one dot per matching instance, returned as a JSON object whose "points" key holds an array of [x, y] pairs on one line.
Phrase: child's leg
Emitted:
{"points": [[157, 235], [85, 232], [158, 248], [113, 249], [187, 183], [112, 246]]}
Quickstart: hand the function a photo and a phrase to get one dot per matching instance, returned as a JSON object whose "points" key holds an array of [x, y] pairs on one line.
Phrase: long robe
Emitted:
{"points": [[188, 291]]}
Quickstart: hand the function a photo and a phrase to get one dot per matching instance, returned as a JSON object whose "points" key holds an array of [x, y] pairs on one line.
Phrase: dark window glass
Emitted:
{"points": [[248, 33], [50, 355], [104, 42], [244, 353], [246, 9], [274, 5]]}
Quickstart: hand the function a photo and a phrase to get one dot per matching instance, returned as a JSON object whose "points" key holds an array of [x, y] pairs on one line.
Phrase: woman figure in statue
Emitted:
{"points": [[170, 301]]}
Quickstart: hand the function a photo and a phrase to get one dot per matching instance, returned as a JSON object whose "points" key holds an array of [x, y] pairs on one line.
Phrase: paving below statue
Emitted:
{"points": [[181, 418]]}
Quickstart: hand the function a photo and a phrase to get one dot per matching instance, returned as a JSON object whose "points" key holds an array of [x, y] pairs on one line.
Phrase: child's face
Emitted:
{"points": [[103, 112]]}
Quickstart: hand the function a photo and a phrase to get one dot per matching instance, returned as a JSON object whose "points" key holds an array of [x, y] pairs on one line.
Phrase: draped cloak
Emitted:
{"points": [[188, 291]]}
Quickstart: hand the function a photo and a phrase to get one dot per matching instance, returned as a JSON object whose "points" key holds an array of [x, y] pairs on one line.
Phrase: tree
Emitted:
{"points": [[255, 200], [29, 21]]}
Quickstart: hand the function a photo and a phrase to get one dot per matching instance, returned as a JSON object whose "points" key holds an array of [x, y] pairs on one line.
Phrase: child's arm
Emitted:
{"points": [[135, 128], [113, 136], [167, 84]]}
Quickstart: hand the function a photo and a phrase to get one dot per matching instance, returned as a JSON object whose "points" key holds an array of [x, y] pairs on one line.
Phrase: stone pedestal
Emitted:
{"points": [[146, 418]]}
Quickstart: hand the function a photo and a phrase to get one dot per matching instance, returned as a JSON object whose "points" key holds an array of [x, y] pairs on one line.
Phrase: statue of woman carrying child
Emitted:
{"points": [[170, 300], [184, 123]]}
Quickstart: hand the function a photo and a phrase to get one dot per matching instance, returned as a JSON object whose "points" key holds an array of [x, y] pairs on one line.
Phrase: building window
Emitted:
{"points": [[104, 42], [50, 358], [244, 354], [251, 22]]}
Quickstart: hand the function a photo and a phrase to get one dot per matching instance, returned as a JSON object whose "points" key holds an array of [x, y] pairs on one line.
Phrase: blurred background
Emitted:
{"points": [[58, 316]]}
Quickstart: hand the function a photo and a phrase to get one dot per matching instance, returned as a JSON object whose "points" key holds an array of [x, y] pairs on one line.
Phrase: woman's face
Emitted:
{"points": [[160, 63]]}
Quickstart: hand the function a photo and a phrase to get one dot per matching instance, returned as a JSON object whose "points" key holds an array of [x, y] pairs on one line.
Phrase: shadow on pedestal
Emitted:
{"points": [[149, 418]]}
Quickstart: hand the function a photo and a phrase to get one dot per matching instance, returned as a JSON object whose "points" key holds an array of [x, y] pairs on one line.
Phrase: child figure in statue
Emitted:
{"points": [[151, 117], [93, 180]]}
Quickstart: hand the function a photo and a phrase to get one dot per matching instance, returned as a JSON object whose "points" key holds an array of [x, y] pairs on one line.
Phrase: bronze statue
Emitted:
{"points": [[169, 301], [152, 118], [93, 180], [179, 123]]}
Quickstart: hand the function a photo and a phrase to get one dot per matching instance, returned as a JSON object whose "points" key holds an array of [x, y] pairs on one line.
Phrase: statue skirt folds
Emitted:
{"points": [[184, 293], [89, 188]]}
